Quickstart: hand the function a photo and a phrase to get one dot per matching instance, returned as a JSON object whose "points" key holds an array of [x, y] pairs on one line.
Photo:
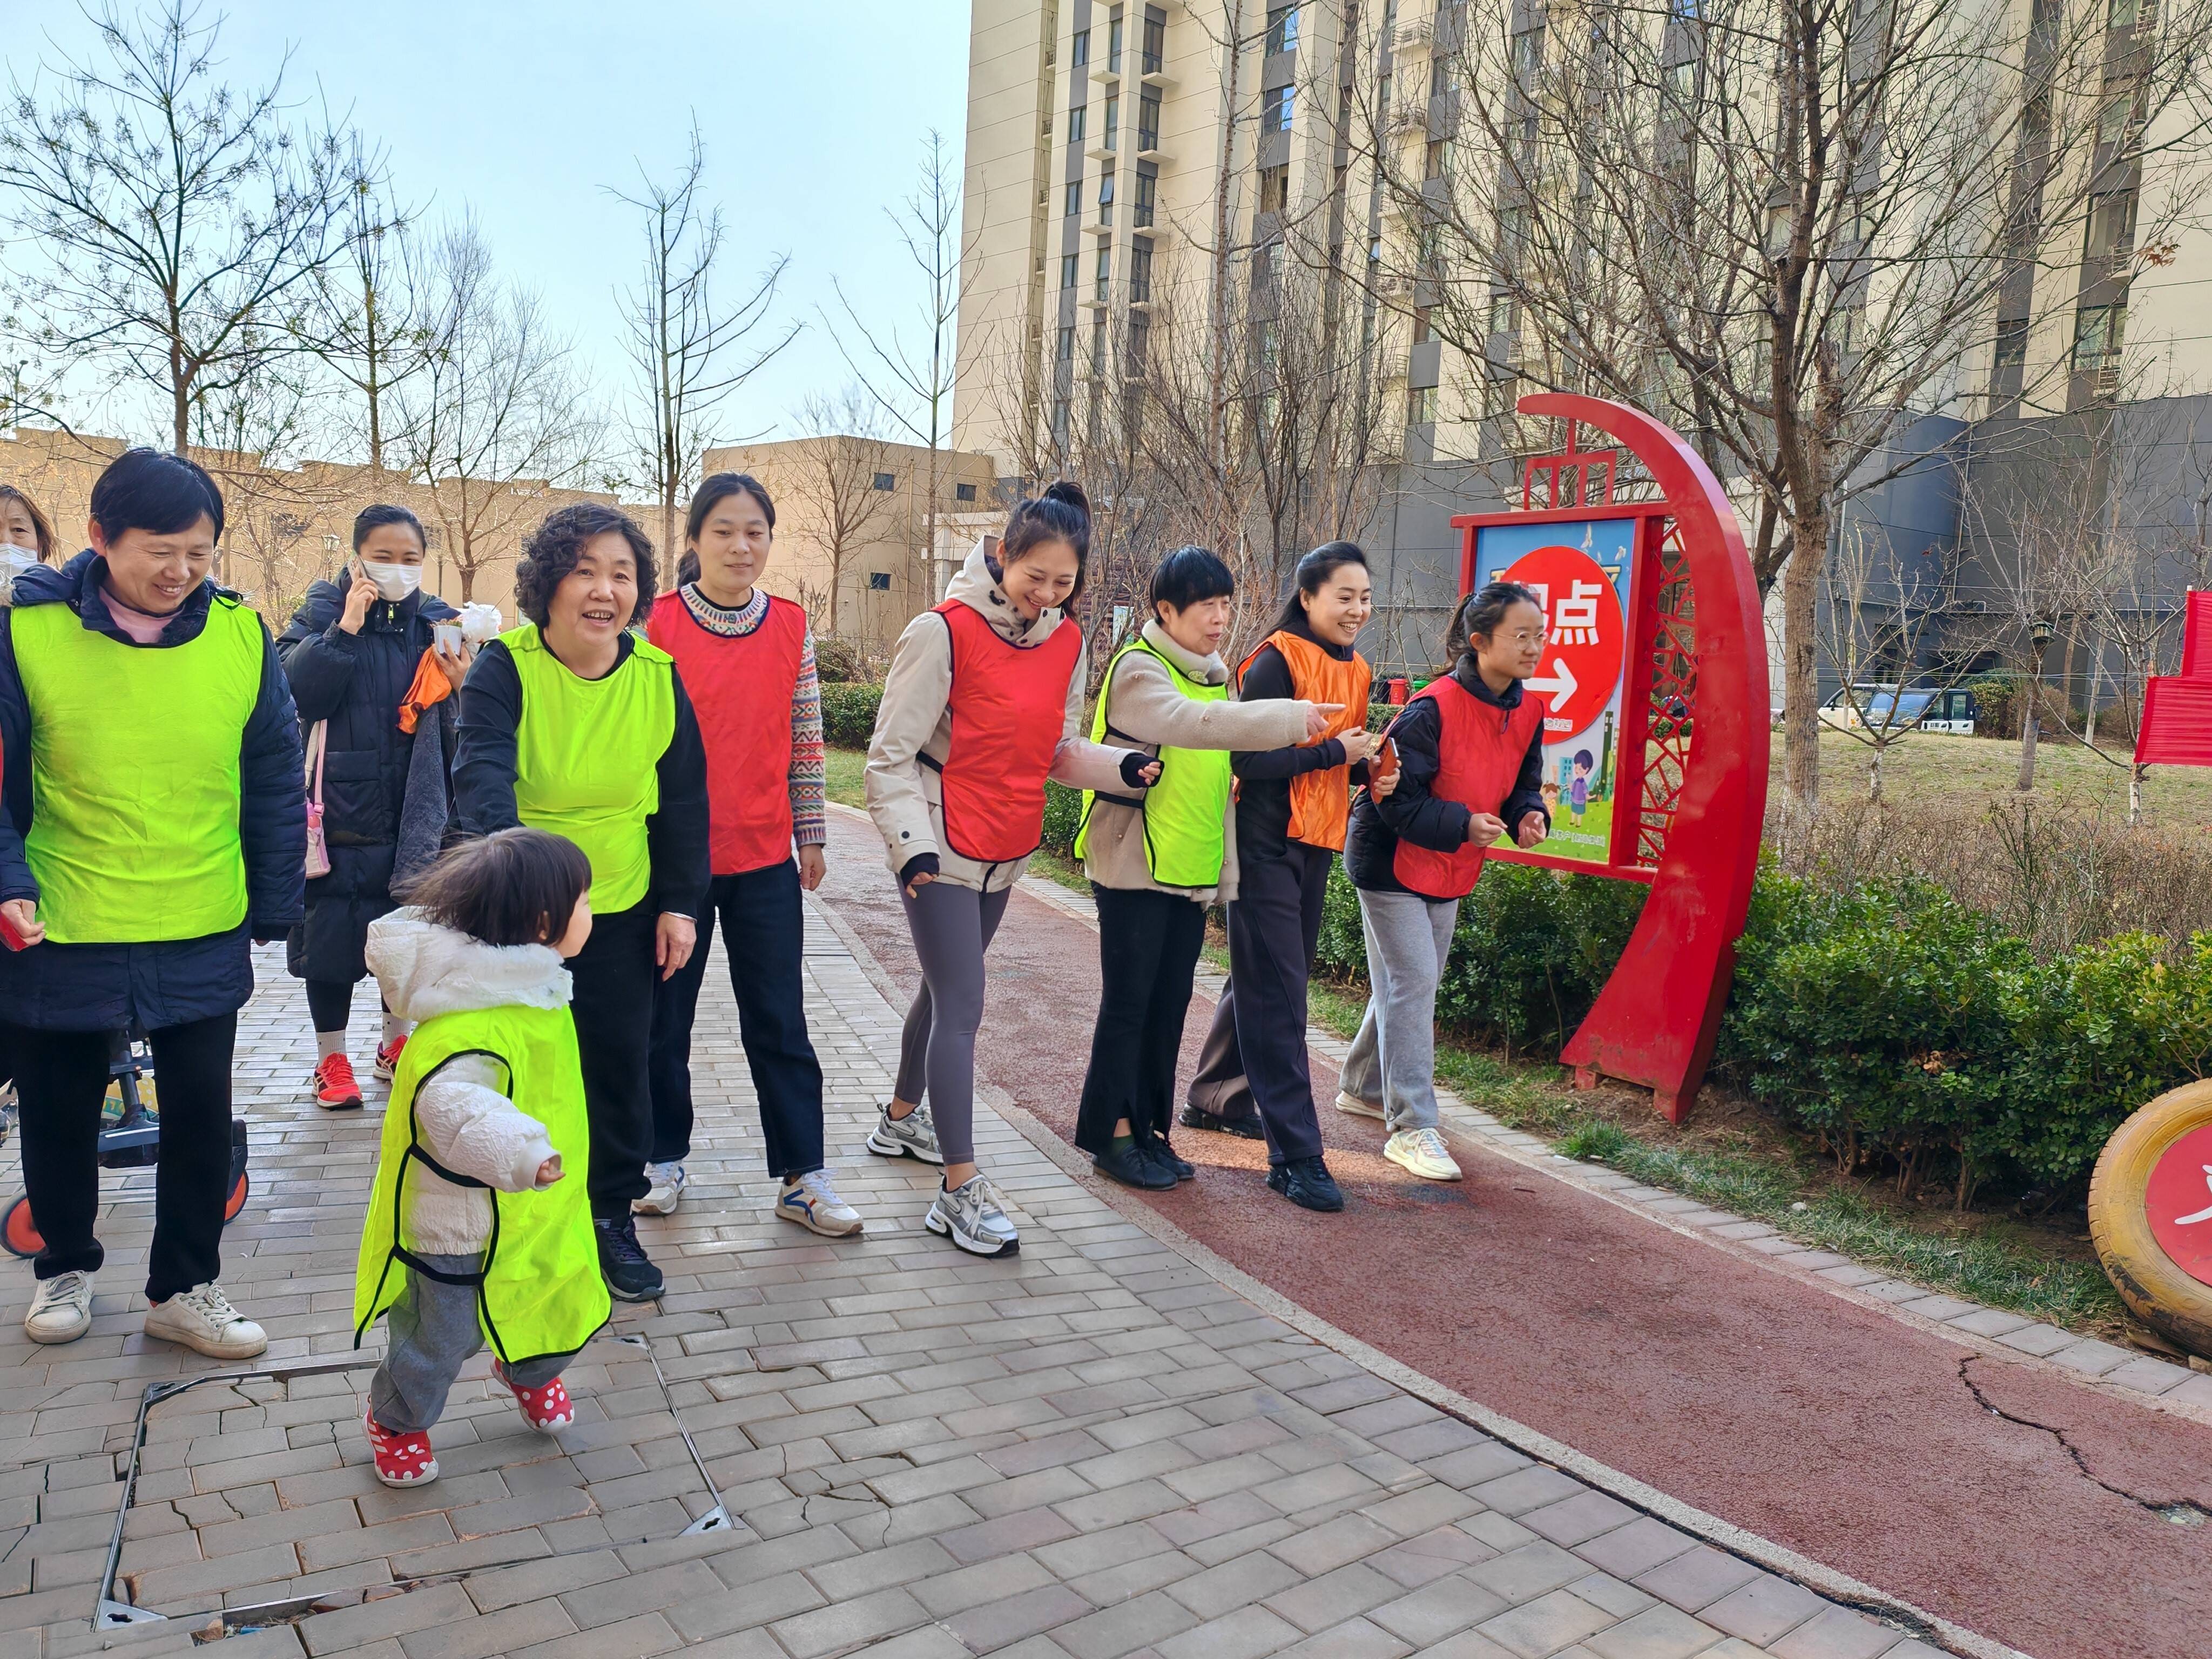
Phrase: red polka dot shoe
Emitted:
{"points": [[545, 1409], [402, 1460]]}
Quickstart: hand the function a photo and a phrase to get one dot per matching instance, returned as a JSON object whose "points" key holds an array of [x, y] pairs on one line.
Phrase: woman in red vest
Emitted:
{"points": [[747, 660], [983, 702], [1470, 751], [1292, 805]]}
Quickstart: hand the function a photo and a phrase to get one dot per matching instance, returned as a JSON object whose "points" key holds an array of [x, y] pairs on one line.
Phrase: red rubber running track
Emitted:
{"points": [[1822, 1426]]}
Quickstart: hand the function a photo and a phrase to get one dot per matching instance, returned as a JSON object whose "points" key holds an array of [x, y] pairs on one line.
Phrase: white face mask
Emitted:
{"points": [[394, 582], [15, 560]]}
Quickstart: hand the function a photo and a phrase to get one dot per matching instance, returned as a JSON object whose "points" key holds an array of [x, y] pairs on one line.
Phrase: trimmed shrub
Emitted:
{"points": [[839, 661], [848, 713], [1063, 815]]}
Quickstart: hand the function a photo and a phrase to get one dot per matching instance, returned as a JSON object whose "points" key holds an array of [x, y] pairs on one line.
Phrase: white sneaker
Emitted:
{"points": [[913, 1135], [664, 1191], [1422, 1150], [971, 1216], [812, 1202], [203, 1319], [62, 1310], [1356, 1106]]}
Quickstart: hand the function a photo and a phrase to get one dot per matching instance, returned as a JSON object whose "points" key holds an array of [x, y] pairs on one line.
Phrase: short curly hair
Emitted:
{"points": [[551, 551]]}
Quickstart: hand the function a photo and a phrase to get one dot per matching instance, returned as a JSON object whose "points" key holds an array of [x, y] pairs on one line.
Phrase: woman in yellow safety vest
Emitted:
{"points": [[574, 724], [1157, 857]]}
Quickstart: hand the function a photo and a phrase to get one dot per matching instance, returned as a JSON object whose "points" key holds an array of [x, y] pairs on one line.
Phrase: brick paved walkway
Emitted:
{"points": [[1096, 1449]]}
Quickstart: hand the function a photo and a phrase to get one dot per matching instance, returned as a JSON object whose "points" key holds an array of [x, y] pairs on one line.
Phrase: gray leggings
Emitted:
{"points": [[434, 1333], [951, 927]]}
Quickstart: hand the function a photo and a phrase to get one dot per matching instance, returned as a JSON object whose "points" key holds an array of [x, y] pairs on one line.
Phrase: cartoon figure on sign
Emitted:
{"points": [[1551, 795], [1578, 794], [2202, 1215]]}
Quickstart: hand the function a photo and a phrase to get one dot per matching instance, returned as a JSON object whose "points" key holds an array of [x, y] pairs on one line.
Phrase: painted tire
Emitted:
{"points": [[239, 1188], [2150, 1214]]}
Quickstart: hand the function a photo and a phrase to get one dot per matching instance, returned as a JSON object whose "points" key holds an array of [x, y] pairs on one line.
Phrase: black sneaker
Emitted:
{"points": [[1131, 1167], [1307, 1183], [1246, 1128], [629, 1273], [1164, 1155]]}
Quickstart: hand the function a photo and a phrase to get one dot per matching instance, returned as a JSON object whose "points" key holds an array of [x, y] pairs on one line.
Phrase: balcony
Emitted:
{"points": [[1416, 36], [1108, 72]]}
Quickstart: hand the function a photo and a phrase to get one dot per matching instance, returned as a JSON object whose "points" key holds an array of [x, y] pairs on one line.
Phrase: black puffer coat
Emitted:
{"points": [[355, 682]]}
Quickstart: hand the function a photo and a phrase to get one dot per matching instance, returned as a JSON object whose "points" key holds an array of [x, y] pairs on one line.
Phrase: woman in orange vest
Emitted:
{"points": [[983, 702], [1291, 807], [1470, 750]]}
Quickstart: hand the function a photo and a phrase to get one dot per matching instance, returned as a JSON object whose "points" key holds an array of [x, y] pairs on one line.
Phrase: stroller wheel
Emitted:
{"points": [[19, 1234], [240, 1182], [239, 1188]]}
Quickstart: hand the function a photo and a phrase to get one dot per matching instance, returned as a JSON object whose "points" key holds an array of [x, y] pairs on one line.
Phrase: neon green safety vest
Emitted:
{"points": [[1184, 812], [538, 1290], [134, 775], [587, 757]]}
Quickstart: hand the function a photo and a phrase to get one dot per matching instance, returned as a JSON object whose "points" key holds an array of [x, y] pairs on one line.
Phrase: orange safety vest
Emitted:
{"points": [[1321, 801], [1480, 749], [1009, 709]]}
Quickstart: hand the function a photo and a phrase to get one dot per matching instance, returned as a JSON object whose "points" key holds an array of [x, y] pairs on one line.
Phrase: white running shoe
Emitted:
{"points": [[203, 1319], [812, 1202], [62, 1310], [665, 1185], [971, 1216], [1422, 1150], [1356, 1106], [913, 1135]]}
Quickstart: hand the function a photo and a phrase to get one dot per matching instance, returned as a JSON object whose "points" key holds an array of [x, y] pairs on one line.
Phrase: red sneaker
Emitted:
{"points": [[387, 1057], [545, 1409], [402, 1460], [335, 1089]]}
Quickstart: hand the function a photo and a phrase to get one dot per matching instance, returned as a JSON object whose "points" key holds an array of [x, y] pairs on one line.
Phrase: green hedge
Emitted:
{"points": [[1906, 1032], [848, 715]]}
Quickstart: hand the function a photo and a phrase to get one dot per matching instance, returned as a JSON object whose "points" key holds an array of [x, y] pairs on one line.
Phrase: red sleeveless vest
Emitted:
{"points": [[1008, 707], [1479, 753], [740, 686]]}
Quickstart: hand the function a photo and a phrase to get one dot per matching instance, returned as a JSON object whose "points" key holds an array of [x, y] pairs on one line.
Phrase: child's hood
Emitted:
{"points": [[426, 969]]}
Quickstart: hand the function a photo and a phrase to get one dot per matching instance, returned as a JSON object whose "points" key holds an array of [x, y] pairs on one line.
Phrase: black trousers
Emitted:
{"points": [[614, 977], [1148, 945], [765, 935], [330, 1003], [61, 1077], [1255, 1054]]}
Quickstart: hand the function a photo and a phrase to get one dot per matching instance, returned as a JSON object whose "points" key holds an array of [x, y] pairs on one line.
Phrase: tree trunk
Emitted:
{"points": [[2135, 794], [1801, 680], [2029, 722], [1873, 774]]}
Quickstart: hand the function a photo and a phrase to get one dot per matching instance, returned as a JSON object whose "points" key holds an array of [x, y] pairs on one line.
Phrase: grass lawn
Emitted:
{"points": [[1928, 764]]}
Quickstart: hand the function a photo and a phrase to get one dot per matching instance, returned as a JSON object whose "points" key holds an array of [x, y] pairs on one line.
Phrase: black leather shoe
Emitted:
{"points": [[1245, 1128], [1164, 1155], [1131, 1168], [1307, 1183]]}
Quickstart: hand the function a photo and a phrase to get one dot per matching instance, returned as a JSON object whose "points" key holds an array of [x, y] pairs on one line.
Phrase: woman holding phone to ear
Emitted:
{"points": [[351, 653]]}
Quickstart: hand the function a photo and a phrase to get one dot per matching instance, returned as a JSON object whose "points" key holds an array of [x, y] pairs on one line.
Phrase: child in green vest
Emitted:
{"points": [[479, 1222]]}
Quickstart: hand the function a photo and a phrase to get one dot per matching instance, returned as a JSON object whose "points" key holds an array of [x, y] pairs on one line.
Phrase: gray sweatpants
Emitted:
{"points": [[951, 927], [434, 1333], [1393, 1063]]}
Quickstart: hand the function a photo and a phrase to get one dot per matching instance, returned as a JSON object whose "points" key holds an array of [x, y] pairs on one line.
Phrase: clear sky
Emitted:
{"points": [[813, 112]]}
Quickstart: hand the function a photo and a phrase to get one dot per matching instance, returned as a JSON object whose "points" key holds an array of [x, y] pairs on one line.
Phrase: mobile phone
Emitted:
{"points": [[9, 936], [1384, 763], [447, 637]]}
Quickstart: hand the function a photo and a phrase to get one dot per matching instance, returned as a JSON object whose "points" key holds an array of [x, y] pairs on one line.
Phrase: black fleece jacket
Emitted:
{"points": [[484, 777], [1371, 844], [1263, 775]]}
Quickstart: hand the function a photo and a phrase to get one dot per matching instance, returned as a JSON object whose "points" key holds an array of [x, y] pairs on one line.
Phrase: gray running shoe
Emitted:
{"points": [[912, 1136], [971, 1216]]}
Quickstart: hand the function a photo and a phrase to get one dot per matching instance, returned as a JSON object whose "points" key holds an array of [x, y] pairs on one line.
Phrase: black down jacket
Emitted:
{"points": [[355, 682]]}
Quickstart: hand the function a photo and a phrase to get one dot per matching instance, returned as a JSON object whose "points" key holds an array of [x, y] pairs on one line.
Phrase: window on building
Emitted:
{"points": [[1504, 315], [1278, 108], [1076, 118], [1139, 336], [1114, 46], [886, 481], [1140, 271], [1148, 188], [1274, 190], [1074, 196], [1155, 43], [1113, 130], [2099, 332], [1068, 271], [2111, 234], [1528, 55], [1106, 198], [1344, 109], [1283, 28], [2122, 14], [1098, 360], [1440, 76], [1104, 274], [2012, 353], [1267, 262], [964, 492], [1078, 53], [1060, 423], [1065, 351], [879, 581], [1438, 162], [1148, 121], [2115, 116], [1423, 331], [1420, 405]]}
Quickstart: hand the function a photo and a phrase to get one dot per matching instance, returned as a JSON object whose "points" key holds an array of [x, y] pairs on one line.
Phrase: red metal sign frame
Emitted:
{"points": [[1690, 797]]}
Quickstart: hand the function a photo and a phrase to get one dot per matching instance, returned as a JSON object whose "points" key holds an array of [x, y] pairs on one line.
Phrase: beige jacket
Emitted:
{"points": [[1144, 705], [905, 798]]}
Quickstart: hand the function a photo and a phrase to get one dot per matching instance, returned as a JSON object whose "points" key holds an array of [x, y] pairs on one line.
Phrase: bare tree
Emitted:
{"points": [[689, 348], [1881, 631], [1781, 225], [372, 325], [495, 418], [910, 375], [177, 226], [833, 479]]}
